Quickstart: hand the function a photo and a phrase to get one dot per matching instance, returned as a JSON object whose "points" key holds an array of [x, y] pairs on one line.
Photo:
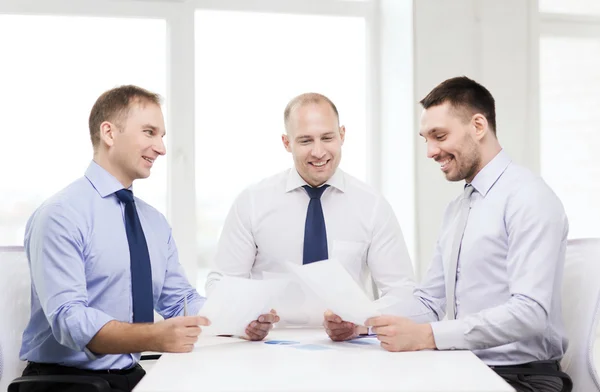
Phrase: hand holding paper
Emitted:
{"points": [[336, 288]]}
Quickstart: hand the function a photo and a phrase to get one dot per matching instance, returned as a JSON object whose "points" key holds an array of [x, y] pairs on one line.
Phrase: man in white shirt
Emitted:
{"points": [[498, 263], [276, 220]]}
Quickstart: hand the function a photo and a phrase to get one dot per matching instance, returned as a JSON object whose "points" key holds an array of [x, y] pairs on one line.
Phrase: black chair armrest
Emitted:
{"points": [[99, 384], [149, 357]]}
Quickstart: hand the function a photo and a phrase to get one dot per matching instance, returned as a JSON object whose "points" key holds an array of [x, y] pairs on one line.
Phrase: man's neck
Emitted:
{"points": [[104, 163]]}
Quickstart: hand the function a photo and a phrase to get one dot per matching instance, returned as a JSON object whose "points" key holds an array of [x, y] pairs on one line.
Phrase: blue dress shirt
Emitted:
{"points": [[80, 270]]}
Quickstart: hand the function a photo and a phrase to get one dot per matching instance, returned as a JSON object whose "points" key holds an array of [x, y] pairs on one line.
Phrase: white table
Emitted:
{"points": [[315, 363]]}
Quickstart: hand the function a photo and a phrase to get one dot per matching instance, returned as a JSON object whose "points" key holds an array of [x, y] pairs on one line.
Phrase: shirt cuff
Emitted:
{"points": [[195, 305], [449, 335], [82, 329]]}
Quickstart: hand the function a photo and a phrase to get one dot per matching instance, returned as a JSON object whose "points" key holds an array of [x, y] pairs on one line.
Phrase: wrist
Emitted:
{"points": [[428, 340], [153, 337]]}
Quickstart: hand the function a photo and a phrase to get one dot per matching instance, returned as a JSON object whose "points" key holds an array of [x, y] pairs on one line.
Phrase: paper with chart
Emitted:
{"points": [[336, 288], [235, 302]]}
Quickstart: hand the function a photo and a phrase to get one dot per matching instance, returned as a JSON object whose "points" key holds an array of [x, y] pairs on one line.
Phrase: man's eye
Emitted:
{"points": [[149, 131]]}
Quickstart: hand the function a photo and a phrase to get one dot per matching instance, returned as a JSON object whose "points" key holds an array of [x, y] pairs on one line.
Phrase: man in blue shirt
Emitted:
{"points": [[102, 260]]}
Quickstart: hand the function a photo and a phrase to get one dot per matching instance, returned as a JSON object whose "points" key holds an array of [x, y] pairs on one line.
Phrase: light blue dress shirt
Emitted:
{"points": [[510, 268], [80, 269]]}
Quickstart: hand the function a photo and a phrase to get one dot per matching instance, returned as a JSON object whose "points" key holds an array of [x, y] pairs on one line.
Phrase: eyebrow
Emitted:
{"points": [[430, 132], [331, 133]]}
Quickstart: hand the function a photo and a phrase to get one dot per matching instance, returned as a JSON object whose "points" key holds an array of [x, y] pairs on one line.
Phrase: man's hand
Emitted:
{"points": [[401, 334], [178, 334], [259, 328], [337, 329]]}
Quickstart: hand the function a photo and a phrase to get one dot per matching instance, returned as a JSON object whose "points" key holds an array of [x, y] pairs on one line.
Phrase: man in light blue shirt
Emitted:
{"points": [[102, 260], [498, 264]]}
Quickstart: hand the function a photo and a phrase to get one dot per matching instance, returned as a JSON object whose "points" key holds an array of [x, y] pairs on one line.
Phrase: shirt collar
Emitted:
{"points": [[295, 181], [104, 182], [487, 177]]}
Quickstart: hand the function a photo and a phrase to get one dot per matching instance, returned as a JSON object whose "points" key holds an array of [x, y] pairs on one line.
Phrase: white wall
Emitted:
{"points": [[495, 43]]}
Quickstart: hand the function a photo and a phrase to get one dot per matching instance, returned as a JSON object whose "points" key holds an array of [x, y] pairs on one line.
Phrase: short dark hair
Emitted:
{"points": [[113, 105], [466, 94], [305, 99]]}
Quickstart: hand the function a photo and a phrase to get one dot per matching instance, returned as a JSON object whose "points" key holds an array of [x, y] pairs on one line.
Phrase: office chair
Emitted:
{"points": [[581, 312]]}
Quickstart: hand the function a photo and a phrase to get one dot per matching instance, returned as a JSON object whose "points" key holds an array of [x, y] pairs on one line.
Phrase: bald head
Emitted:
{"points": [[303, 100]]}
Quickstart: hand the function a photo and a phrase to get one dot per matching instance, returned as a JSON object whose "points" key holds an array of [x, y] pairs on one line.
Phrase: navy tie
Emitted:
{"points": [[315, 234], [141, 271]]}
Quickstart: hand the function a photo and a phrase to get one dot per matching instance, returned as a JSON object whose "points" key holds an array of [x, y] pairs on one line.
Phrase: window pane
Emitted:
{"points": [[248, 66], [570, 137], [53, 70], [583, 7]]}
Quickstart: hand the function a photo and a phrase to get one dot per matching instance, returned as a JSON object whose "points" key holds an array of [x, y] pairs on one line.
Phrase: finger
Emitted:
{"points": [[345, 335], [195, 320], [266, 318], [259, 327], [273, 312], [341, 326], [253, 335], [384, 331], [381, 321], [332, 317], [193, 331], [191, 340]]}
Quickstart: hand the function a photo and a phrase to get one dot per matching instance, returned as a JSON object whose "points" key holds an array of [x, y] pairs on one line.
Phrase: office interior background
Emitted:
{"points": [[227, 68]]}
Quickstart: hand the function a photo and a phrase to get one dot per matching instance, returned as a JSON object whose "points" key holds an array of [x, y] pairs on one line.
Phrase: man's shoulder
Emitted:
{"points": [[358, 188], [71, 199], [268, 184]]}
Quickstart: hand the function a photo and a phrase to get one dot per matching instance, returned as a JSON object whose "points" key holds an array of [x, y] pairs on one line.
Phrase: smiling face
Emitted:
{"points": [[134, 144], [451, 139], [315, 140]]}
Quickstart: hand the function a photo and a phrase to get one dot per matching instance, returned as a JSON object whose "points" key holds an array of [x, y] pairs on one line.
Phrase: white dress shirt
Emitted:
{"points": [[265, 226], [510, 268]]}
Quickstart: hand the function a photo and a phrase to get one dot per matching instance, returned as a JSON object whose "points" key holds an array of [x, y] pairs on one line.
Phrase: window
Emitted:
{"points": [[582, 7], [570, 98], [248, 66], [57, 66]]}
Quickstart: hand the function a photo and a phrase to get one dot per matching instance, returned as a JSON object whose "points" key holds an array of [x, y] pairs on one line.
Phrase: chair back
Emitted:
{"points": [[15, 285], [581, 312]]}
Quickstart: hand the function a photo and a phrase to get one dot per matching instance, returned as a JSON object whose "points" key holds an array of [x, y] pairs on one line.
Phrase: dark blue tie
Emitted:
{"points": [[315, 234], [141, 271]]}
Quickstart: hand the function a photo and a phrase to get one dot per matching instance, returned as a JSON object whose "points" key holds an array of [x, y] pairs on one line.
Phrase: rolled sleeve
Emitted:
{"points": [[176, 288], [55, 249]]}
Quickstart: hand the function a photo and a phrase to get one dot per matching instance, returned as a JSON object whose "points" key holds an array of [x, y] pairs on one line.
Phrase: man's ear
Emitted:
{"points": [[107, 133], [343, 133], [286, 142], [480, 125]]}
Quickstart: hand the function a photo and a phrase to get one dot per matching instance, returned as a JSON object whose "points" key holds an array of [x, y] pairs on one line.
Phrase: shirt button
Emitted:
{"points": [[458, 270], [457, 303]]}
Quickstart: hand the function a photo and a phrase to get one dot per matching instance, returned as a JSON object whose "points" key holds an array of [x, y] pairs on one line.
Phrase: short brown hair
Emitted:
{"points": [[305, 99], [113, 105], [464, 93]]}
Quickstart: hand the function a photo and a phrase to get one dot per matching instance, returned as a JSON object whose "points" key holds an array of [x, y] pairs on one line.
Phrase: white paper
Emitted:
{"points": [[235, 302], [336, 288], [297, 305]]}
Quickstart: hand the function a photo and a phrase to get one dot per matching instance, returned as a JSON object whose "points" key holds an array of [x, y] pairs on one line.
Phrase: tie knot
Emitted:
{"points": [[468, 191], [315, 193], [125, 195]]}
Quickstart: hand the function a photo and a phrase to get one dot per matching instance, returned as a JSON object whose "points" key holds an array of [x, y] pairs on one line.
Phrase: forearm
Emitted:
{"points": [[518, 319], [124, 338]]}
